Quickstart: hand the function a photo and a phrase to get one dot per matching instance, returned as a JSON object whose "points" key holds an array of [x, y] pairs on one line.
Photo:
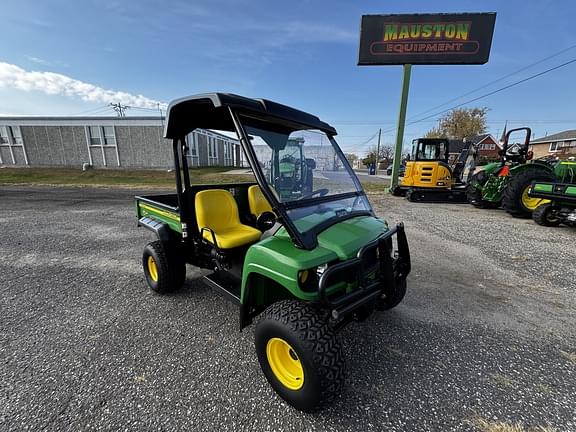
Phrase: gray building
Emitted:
{"points": [[113, 142]]}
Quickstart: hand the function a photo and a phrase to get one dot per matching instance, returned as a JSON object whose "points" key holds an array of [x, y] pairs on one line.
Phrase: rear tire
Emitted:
{"points": [[515, 200], [312, 375], [164, 270], [543, 216]]}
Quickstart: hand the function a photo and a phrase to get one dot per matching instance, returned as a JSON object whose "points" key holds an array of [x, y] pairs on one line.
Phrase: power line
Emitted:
{"points": [[522, 69], [489, 93], [355, 146], [424, 119], [92, 110], [144, 109], [497, 90]]}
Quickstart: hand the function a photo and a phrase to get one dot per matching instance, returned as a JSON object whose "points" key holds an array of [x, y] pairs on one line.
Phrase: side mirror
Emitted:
{"points": [[519, 137], [265, 221]]}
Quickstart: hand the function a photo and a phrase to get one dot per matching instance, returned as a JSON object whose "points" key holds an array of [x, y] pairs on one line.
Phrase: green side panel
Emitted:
{"points": [[168, 217], [555, 192], [520, 168], [491, 167], [565, 171], [543, 187], [277, 258]]}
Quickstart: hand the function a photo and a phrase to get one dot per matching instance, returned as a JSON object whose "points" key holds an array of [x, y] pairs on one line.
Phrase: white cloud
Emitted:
{"points": [[12, 76], [38, 60]]}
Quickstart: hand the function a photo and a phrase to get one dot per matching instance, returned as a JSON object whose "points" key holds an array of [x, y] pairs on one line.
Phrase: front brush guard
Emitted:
{"points": [[393, 266]]}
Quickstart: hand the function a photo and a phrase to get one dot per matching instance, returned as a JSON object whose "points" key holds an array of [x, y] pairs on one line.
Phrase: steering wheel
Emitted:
{"points": [[319, 192], [288, 159]]}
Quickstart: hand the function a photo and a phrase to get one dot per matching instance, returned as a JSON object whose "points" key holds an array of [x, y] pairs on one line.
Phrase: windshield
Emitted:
{"points": [[302, 166], [428, 150]]}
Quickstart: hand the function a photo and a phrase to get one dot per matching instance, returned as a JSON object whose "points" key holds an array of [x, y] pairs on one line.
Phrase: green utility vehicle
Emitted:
{"points": [[305, 263], [506, 183], [560, 205]]}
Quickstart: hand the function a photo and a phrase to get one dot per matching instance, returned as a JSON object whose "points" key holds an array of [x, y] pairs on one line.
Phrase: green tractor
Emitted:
{"points": [[290, 171], [560, 207], [506, 183], [302, 263]]}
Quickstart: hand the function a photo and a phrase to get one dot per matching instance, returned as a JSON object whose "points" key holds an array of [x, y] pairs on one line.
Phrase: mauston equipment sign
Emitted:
{"points": [[426, 39]]}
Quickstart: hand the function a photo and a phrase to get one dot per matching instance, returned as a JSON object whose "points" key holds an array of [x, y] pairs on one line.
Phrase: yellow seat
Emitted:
{"points": [[216, 209], [257, 201]]}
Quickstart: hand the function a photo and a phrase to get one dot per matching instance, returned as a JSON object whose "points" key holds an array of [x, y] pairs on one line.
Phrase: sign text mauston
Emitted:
{"points": [[426, 39]]}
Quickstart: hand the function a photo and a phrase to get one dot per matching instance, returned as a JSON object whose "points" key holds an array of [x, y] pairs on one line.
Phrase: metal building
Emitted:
{"points": [[113, 142]]}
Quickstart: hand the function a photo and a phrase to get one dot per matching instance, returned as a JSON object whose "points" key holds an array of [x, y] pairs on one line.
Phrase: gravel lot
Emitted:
{"points": [[487, 330]]}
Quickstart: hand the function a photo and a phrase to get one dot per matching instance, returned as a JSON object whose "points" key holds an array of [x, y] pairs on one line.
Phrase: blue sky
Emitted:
{"points": [[301, 53]]}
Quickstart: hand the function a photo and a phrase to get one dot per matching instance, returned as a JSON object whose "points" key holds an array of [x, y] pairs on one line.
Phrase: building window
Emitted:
{"points": [[212, 151], [94, 133], [4, 135], [109, 136], [489, 146], [228, 154], [16, 135], [554, 147], [192, 141], [11, 138], [11, 135], [102, 136]]}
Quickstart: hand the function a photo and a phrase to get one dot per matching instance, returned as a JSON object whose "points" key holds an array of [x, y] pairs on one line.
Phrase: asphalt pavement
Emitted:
{"points": [[486, 332]]}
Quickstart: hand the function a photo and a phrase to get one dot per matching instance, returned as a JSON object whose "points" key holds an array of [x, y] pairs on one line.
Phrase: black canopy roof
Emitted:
{"points": [[210, 111]]}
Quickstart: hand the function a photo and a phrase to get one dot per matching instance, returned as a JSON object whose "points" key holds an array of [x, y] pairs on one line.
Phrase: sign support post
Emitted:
{"points": [[430, 39], [401, 124]]}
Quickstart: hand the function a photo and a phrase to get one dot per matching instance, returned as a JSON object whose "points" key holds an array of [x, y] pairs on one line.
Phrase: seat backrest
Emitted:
{"points": [[257, 201], [216, 209]]}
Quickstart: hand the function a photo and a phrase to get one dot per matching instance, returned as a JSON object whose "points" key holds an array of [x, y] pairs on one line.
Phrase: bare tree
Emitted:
{"points": [[386, 154], [352, 157]]}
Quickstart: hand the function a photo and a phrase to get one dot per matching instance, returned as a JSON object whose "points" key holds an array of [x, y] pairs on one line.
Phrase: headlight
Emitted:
{"points": [[308, 279]]}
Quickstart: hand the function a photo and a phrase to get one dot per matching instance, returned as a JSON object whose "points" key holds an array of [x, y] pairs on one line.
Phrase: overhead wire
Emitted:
{"points": [[92, 110], [506, 87], [522, 69], [376, 122]]}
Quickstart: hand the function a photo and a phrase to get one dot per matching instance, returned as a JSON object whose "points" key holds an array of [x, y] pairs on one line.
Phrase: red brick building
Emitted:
{"points": [[487, 146]]}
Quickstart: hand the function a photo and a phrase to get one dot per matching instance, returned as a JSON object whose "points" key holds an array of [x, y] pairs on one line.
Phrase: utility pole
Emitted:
{"points": [[401, 124], [120, 109], [161, 115], [377, 152]]}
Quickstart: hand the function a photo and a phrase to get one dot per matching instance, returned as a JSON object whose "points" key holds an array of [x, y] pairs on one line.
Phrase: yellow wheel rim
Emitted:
{"points": [[285, 364], [531, 203], [152, 269]]}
